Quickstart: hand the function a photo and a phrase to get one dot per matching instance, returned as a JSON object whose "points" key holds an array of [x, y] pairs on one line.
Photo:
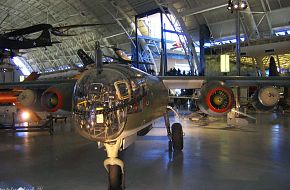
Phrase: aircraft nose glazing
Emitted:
{"points": [[100, 110]]}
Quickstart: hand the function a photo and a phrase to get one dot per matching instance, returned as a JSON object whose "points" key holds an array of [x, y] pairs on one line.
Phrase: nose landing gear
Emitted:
{"points": [[114, 166]]}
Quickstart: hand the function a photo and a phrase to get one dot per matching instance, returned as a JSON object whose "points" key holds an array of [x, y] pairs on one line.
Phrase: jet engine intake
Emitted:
{"points": [[216, 98], [53, 98], [265, 98]]}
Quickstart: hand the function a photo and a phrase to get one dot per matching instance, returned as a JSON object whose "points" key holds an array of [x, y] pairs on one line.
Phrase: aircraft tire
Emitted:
{"points": [[177, 136], [115, 177]]}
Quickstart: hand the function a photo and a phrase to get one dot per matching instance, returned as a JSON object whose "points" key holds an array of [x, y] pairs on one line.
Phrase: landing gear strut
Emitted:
{"points": [[175, 134], [114, 166]]}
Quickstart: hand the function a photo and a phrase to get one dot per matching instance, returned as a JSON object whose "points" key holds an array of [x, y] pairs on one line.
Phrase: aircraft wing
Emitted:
{"points": [[34, 84], [46, 95], [195, 82], [217, 98]]}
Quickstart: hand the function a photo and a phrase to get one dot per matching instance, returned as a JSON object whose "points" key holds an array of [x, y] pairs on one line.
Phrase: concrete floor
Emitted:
{"points": [[214, 157]]}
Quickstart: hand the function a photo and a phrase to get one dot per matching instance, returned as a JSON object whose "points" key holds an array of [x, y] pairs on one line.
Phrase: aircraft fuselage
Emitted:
{"points": [[121, 100]]}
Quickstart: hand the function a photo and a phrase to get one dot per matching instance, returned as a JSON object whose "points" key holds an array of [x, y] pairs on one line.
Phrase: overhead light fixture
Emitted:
{"points": [[229, 5], [237, 5], [243, 5]]}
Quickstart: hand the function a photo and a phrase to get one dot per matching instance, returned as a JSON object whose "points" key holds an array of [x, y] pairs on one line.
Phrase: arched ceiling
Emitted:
{"points": [[258, 22]]}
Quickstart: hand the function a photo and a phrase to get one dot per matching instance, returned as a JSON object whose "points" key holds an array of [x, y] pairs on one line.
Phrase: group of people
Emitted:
{"points": [[177, 72]]}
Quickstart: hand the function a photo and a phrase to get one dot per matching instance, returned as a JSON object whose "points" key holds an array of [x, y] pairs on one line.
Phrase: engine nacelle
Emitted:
{"points": [[216, 98], [266, 98], [53, 98], [30, 99]]}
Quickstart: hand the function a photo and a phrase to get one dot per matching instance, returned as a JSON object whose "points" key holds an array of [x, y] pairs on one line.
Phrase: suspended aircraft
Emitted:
{"points": [[17, 39], [123, 58], [112, 104]]}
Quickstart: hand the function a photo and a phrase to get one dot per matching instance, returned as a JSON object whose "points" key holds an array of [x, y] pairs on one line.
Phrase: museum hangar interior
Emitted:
{"points": [[144, 94]]}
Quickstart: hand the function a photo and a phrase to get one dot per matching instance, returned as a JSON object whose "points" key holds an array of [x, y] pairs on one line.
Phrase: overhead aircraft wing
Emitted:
{"points": [[62, 30], [59, 31], [28, 30]]}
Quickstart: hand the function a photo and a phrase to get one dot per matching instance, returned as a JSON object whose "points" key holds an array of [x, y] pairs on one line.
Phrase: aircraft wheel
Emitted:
{"points": [[177, 137], [115, 177]]}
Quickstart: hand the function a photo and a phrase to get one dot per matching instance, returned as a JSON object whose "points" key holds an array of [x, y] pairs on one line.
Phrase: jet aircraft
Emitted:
{"points": [[123, 58], [113, 103]]}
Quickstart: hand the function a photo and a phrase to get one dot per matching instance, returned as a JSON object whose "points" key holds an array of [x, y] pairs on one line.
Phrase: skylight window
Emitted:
{"points": [[283, 33], [64, 67], [153, 28], [221, 41], [20, 62], [79, 64]]}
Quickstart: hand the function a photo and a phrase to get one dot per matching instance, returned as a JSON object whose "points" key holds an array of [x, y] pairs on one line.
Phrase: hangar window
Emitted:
{"points": [[283, 33], [172, 33], [64, 67], [226, 40], [22, 64], [165, 40], [79, 65]]}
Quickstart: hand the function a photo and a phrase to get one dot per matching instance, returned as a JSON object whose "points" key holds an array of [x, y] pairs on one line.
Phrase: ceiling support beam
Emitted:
{"points": [[118, 8], [202, 9], [252, 26], [267, 16]]}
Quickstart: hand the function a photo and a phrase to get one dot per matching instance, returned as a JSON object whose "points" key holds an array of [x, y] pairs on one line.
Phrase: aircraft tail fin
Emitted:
{"points": [[86, 59], [44, 39], [33, 76]]}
